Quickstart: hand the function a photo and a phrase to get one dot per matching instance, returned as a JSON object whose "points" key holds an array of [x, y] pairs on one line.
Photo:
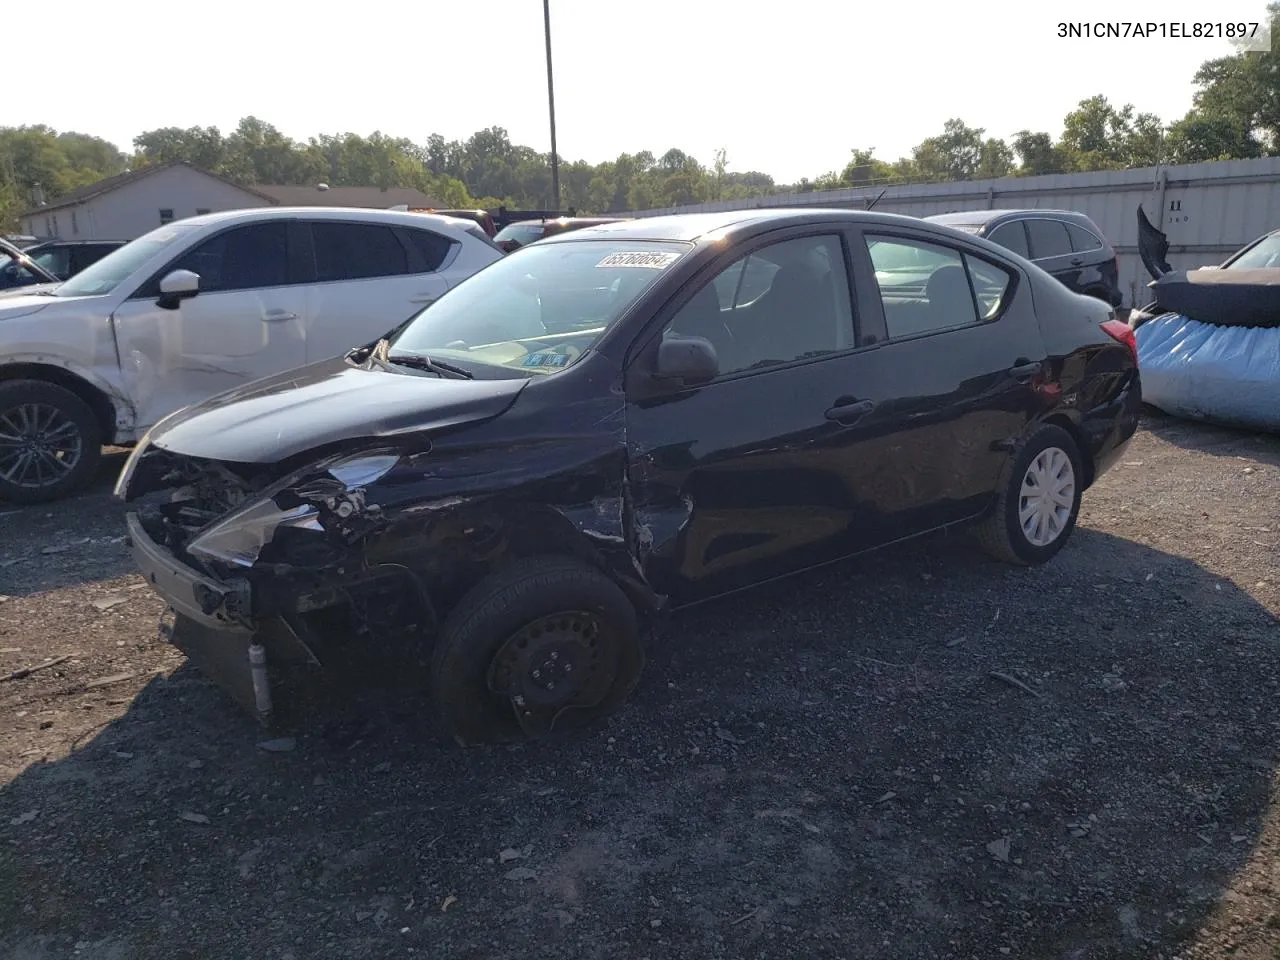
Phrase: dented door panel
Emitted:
{"points": [[210, 343]]}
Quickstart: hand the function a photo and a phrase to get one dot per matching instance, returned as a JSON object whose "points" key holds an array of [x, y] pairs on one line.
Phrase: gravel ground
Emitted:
{"points": [[918, 754]]}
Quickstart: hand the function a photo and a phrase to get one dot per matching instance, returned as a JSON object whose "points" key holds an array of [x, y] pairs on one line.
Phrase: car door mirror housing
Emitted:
{"points": [[688, 360], [176, 286]]}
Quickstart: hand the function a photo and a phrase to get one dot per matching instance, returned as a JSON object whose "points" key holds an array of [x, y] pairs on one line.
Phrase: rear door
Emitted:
{"points": [[368, 278], [245, 323], [773, 466], [958, 373]]}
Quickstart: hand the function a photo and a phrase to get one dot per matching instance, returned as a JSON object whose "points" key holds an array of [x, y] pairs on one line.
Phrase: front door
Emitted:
{"points": [[763, 470], [245, 323]]}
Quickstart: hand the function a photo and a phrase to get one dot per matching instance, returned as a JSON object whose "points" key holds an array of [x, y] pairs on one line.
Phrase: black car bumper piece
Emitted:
{"points": [[214, 626]]}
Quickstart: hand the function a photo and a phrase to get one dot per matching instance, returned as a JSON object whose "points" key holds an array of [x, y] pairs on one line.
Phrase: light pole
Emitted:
{"points": [[551, 103]]}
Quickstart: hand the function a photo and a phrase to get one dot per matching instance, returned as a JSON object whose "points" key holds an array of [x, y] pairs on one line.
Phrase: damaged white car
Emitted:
{"points": [[198, 307]]}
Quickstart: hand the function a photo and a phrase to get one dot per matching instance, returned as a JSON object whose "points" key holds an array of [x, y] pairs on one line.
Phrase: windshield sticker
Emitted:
{"points": [[546, 358], [656, 260]]}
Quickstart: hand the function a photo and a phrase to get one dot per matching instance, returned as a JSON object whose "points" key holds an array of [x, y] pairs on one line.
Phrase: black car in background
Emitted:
{"points": [[618, 421], [524, 232], [61, 259], [1062, 242]]}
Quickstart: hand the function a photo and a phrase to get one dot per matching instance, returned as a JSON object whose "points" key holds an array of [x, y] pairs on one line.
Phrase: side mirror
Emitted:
{"points": [[690, 360], [176, 286]]}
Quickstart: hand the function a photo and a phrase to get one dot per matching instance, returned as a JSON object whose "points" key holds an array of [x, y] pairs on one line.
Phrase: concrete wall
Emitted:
{"points": [[1208, 210], [134, 208]]}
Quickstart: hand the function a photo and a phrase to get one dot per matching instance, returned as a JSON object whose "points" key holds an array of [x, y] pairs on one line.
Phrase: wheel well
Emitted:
{"points": [[98, 401], [1086, 457]]}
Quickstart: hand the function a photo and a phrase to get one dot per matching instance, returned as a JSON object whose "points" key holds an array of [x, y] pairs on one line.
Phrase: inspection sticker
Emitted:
{"points": [[655, 260], [546, 358]]}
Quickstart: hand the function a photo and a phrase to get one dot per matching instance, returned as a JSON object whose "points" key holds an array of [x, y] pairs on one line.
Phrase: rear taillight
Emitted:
{"points": [[1122, 333]]}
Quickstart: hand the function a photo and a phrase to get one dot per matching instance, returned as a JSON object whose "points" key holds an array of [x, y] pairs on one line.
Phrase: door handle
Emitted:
{"points": [[850, 411], [1026, 371], [1076, 261], [275, 316], [424, 298]]}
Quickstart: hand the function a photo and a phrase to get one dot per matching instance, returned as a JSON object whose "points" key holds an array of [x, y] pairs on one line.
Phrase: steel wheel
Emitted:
{"points": [[551, 665], [39, 445], [1047, 497]]}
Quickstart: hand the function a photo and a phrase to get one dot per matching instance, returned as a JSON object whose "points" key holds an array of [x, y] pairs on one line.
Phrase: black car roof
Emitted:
{"points": [[693, 226]]}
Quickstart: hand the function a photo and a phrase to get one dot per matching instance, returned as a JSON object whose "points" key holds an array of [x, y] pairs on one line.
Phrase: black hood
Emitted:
{"points": [[270, 420]]}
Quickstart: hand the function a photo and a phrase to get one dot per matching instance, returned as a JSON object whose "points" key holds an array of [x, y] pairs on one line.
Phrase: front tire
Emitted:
{"points": [[50, 442], [1039, 500], [547, 644]]}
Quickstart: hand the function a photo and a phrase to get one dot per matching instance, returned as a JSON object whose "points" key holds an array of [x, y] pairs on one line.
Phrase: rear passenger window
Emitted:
{"points": [[1082, 241], [925, 287], [990, 285], [1048, 239], [433, 247], [1011, 236], [357, 251]]}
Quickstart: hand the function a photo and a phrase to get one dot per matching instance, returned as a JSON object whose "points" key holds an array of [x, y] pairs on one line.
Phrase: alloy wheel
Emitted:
{"points": [[39, 445]]}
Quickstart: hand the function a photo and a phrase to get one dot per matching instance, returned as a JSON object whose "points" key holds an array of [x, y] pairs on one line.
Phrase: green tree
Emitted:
{"points": [[955, 154]]}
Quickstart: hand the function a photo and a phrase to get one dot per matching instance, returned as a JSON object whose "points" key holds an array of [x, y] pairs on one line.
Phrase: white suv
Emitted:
{"points": [[201, 306]]}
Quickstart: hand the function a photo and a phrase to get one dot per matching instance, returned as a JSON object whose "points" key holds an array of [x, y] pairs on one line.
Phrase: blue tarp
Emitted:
{"points": [[1227, 375]]}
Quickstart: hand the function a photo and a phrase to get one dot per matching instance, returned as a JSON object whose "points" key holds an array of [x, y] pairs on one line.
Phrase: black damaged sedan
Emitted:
{"points": [[616, 422]]}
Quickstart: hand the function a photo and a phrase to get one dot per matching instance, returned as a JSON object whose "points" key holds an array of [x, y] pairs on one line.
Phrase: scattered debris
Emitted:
{"points": [[728, 736], [382, 767], [1000, 849], [449, 901], [887, 797], [509, 854], [195, 818], [106, 603], [745, 917], [1015, 682], [50, 550], [520, 873], [28, 671], [22, 818], [279, 745], [107, 681], [1112, 683]]}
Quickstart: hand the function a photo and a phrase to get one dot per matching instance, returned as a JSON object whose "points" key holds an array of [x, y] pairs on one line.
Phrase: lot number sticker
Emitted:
{"points": [[656, 260]]}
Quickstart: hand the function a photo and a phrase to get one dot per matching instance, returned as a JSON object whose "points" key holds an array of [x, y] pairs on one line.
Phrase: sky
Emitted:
{"points": [[785, 88]]}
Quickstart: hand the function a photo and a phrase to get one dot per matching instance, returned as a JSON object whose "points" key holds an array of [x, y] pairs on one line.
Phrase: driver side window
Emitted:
{"points": [[785, 302]]}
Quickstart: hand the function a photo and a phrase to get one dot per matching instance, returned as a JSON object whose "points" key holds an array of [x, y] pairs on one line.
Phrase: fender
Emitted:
{"points": [[124, 414]]}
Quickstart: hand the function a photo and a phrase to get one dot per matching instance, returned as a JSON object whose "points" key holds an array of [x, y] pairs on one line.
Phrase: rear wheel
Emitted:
{"points": [[1038, 502], [50, 442], [547, 644]]}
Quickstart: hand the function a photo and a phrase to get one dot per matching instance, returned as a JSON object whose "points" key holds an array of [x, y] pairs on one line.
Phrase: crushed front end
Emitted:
{"points": [[259, 563]]}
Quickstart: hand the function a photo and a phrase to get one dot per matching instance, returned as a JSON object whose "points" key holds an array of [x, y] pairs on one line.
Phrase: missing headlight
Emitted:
{"points": [[300, 503]]}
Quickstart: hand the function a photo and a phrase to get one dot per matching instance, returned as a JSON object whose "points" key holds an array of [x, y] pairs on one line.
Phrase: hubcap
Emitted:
{"points": [[1048, 494], [38, 445], [551, 665]]}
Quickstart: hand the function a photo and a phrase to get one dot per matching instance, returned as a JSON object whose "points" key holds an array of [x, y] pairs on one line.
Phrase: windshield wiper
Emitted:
{"points": [[423, 362]]}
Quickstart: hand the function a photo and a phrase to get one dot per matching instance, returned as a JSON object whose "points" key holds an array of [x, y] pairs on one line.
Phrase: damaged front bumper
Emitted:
{"points": [[214, 624]]}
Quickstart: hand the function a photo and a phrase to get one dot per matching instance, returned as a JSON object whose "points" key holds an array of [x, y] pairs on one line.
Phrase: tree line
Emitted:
{"points": [[1235, 114]]}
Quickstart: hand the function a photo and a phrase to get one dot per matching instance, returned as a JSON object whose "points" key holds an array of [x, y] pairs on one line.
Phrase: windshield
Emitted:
{"points": [[521, 233], [1262, 255], [539, 311], [116, 267]]}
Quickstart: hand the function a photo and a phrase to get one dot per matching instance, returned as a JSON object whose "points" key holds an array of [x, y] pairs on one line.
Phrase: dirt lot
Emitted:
{"points": [[826, 769]]}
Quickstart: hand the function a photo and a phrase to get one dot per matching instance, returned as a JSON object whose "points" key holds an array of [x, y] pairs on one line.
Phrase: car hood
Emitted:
{"points": [[23, 301], [326, 402]]}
